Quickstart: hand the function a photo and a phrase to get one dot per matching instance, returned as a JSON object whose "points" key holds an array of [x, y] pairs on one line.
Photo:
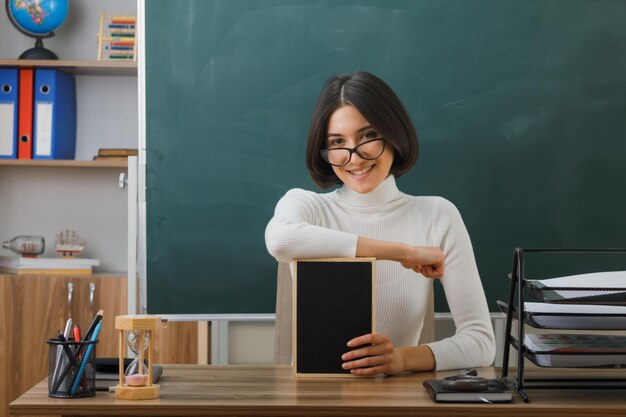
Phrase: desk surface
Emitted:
{"points": [[257, 391]]}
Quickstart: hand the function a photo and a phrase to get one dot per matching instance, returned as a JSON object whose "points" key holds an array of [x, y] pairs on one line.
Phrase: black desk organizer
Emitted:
{"points": [[521, 287]]}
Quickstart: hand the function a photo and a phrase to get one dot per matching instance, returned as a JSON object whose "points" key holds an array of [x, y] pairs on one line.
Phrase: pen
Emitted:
{"points": [[68, 327], [92, 326], [80, 356], [79, 375], [66, 348]]}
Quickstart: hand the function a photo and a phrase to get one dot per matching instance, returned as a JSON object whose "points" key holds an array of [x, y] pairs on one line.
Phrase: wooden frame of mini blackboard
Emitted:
{"points": [[326, 292]]}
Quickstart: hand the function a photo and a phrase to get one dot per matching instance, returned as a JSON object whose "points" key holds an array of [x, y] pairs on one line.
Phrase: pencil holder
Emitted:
{"points": [[71, 369]]}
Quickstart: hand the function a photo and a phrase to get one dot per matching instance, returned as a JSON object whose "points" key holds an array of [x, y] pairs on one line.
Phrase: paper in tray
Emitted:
{"points": [[575, 316], [576, 350], [607, 288]]}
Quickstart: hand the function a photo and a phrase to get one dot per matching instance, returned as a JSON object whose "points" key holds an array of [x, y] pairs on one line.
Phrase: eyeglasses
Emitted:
{"points": [[369, 150]]}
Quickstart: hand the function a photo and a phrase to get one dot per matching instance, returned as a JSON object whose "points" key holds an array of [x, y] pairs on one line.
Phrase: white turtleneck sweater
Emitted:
{"points": [[308, 224]]}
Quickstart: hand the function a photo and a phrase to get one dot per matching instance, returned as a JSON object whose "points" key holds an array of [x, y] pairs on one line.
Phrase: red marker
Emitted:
{"points": [[77, 333], [80, 355]]}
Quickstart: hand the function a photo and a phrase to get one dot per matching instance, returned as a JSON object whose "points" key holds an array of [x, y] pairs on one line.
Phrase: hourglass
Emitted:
{"points": [[138, 333]]}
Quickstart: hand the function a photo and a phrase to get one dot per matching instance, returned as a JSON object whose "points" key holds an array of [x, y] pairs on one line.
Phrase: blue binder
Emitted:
{"points": [[8, 112], [54, 118]]}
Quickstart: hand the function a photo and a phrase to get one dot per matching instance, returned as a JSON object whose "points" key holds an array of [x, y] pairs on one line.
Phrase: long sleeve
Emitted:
{"points": [[299, 229], [473, 344], [307, 224]]}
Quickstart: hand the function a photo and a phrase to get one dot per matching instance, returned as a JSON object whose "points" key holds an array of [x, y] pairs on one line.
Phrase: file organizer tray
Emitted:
{"points": [[576, 359], [607, 295], [569, 295], [571, 321]]}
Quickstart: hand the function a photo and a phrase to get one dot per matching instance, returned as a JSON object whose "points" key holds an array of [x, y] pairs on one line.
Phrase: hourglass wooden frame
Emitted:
{"points": [[142, 324]]}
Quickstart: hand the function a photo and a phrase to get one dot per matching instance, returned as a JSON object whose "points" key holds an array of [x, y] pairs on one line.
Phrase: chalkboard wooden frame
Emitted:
{"points": [[320, 288]]}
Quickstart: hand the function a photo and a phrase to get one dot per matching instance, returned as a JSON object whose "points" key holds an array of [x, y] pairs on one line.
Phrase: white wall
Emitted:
{"points": [[253, 342], [44, 201]]}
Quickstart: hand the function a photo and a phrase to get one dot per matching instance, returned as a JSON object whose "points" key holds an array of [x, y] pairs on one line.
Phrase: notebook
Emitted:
{"points": [[496, 392]]}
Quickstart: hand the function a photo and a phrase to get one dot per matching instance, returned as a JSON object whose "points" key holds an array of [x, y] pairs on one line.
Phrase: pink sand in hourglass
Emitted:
{"points": [[136, 380]]}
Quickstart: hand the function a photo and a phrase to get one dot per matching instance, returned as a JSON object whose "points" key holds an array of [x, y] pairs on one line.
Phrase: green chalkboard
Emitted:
{"points": [[520, 106]]}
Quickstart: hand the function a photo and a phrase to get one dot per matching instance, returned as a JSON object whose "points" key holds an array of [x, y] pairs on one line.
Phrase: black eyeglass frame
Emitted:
{"points": [[324, 152]]}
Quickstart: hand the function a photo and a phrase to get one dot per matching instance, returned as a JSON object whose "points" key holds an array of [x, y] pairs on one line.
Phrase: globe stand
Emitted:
{"points": [[38, 52]]}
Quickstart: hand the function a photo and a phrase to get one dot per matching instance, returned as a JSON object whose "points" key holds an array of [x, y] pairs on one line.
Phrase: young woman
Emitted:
{"points": [[361, 136]]}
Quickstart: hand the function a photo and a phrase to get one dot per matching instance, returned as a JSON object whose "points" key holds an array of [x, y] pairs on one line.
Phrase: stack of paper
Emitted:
{"points": [[608, 279], [577, 316], [597, 288], [576, 350], [47, 266]]}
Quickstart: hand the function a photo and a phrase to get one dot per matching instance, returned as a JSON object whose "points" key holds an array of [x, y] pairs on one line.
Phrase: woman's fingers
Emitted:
{"points": [[371, 362], [373, 338], [373, 357]]}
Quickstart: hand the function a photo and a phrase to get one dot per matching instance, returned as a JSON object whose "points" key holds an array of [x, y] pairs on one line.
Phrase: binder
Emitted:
{"points": [[54, 116], [8, 112], [25, 115]]}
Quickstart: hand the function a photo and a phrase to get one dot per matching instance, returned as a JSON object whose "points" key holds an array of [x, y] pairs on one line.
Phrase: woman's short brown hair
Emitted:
{"points": [[378, 104]]}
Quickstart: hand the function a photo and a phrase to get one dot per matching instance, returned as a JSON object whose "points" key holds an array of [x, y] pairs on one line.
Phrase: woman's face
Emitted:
{"points": [[347, 128]]}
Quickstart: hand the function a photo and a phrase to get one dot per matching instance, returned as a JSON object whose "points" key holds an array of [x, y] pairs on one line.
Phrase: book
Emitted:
{"points": [[110, 158], [497, 391], [47, 266], [117, 152]]}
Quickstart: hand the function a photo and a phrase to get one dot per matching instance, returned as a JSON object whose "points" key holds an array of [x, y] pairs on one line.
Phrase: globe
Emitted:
{"points": [[38, 19]]}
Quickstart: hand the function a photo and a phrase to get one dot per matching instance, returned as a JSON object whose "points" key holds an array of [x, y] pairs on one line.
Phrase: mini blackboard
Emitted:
{"points": [[333, 303]]}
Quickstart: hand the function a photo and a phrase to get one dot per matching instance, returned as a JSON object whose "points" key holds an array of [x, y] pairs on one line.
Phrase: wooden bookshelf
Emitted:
{"points": [[119, 68], [100, 68], [63, 163]]}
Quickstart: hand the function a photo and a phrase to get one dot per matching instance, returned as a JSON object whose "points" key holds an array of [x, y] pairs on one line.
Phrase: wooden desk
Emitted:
{"points": [[257, 391]]}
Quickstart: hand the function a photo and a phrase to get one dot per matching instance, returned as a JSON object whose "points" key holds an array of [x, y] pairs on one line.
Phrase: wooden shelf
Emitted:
{"points": [[107, 275], [119, 68], [63, 163]]}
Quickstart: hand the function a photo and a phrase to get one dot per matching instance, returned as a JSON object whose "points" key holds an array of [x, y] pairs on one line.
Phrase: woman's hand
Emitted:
{"points": [[428, 261], [376, 356]]}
